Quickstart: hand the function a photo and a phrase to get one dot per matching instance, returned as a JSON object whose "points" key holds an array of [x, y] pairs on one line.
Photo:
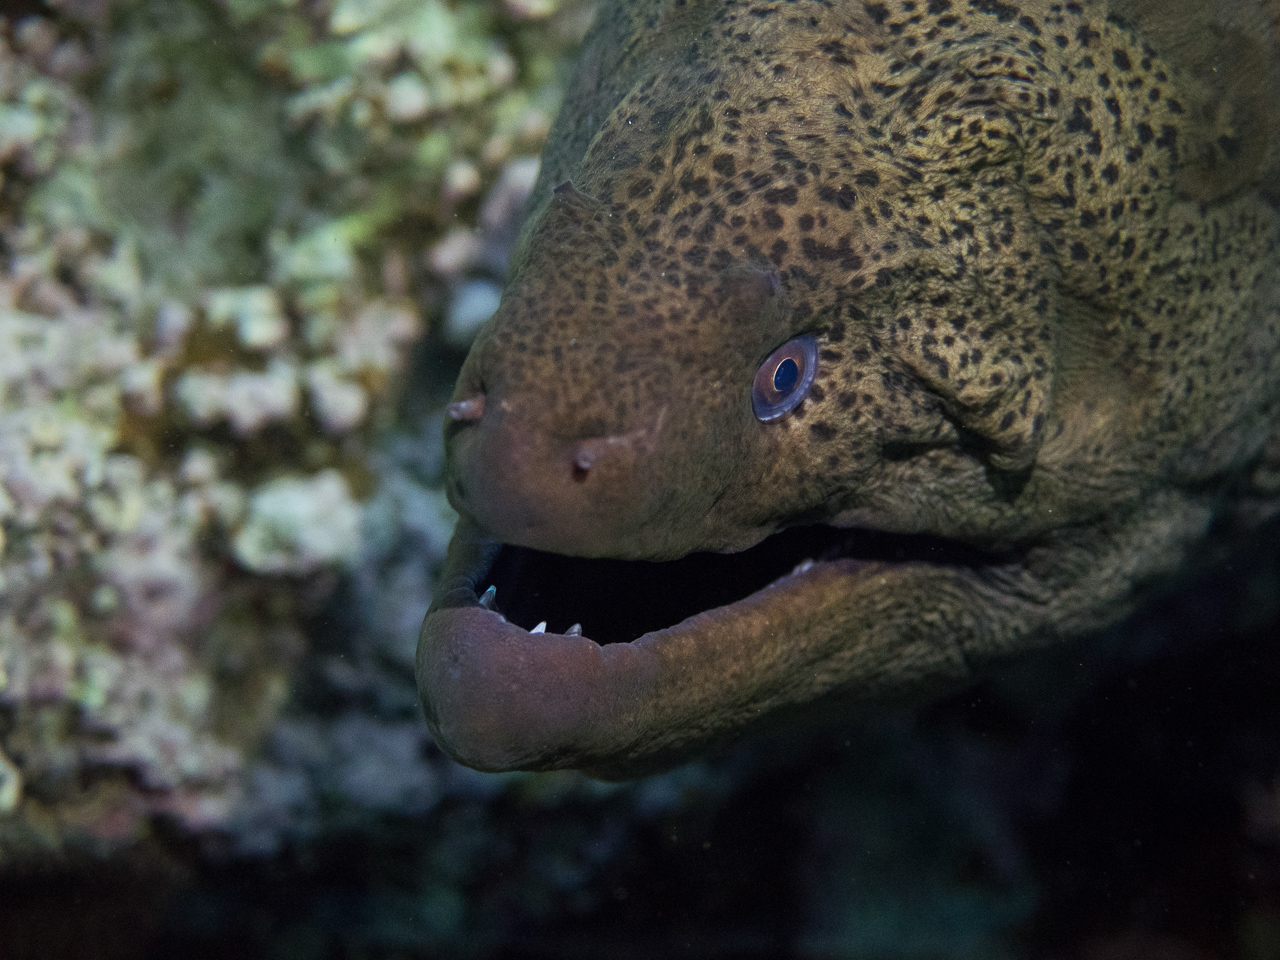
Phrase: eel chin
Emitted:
{"points": [[534, 660]]}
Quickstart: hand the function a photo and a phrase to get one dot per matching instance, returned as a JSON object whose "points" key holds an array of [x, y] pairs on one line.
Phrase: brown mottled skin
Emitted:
{"points": [[1039, 246]]}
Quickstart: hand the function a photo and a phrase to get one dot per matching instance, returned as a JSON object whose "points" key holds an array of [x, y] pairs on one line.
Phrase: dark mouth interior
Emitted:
{"points": [[618, 600]]}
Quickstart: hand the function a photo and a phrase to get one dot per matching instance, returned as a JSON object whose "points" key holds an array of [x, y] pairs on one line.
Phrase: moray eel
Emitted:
{"points": [[851, 346]]}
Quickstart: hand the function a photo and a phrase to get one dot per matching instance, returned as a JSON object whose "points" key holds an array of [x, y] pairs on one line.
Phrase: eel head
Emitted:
{"points": [[851, 349]]}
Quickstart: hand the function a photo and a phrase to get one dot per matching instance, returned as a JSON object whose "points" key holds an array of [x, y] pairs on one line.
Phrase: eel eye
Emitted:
{"points": [[784, 379]]}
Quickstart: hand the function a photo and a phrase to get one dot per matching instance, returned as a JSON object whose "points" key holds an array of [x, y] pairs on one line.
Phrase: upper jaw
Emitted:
{"points": [[621, 600]]}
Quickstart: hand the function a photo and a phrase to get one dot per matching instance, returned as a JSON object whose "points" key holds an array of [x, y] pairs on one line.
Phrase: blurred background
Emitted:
{"points": [[244, 245]]}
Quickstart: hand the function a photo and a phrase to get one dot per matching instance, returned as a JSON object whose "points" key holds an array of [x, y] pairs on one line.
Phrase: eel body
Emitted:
{"points": [[849, 346]]}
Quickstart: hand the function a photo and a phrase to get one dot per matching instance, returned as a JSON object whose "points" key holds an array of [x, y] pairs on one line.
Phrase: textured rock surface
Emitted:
{"points": [[212, 225]]}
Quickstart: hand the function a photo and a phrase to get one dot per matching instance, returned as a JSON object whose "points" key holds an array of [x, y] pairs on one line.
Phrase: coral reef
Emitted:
{"points": [[101, 573], [223, 226]]}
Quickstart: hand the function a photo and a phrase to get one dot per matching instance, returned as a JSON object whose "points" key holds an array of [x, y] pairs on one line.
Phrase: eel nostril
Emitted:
{"points": [[469, 409]]}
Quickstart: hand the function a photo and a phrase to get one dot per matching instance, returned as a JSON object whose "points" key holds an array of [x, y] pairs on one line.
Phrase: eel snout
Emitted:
{"points": [[526, 485]]}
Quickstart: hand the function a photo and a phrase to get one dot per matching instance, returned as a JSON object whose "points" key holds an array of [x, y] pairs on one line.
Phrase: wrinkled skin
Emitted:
{"points": [[1039, 247]]}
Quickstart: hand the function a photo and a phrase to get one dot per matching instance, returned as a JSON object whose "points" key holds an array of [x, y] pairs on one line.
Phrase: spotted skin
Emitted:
{"points": [[1039, 246]]}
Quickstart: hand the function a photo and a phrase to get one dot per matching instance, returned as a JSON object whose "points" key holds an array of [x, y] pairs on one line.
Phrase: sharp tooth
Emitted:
{"points": [[574, 631], [487, 598], [804, 567], [540, 628]]}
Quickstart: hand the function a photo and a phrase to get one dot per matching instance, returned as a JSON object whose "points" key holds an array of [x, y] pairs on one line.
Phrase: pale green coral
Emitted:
{"points": [[299, 525], [255, 312], [247, 399]]}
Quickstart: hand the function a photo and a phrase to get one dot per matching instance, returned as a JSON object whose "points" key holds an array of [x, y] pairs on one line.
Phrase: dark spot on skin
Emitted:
{"points": [[878, 12], [1080, 121], [787, 196], [1004, 12]]}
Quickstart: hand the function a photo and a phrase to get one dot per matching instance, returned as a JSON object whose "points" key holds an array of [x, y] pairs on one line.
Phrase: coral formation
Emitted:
{"points": [[222, 228]]}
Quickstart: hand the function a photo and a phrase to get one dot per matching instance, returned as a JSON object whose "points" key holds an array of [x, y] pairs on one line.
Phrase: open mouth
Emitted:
{"points": [[617, 601], [537, 661]]}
